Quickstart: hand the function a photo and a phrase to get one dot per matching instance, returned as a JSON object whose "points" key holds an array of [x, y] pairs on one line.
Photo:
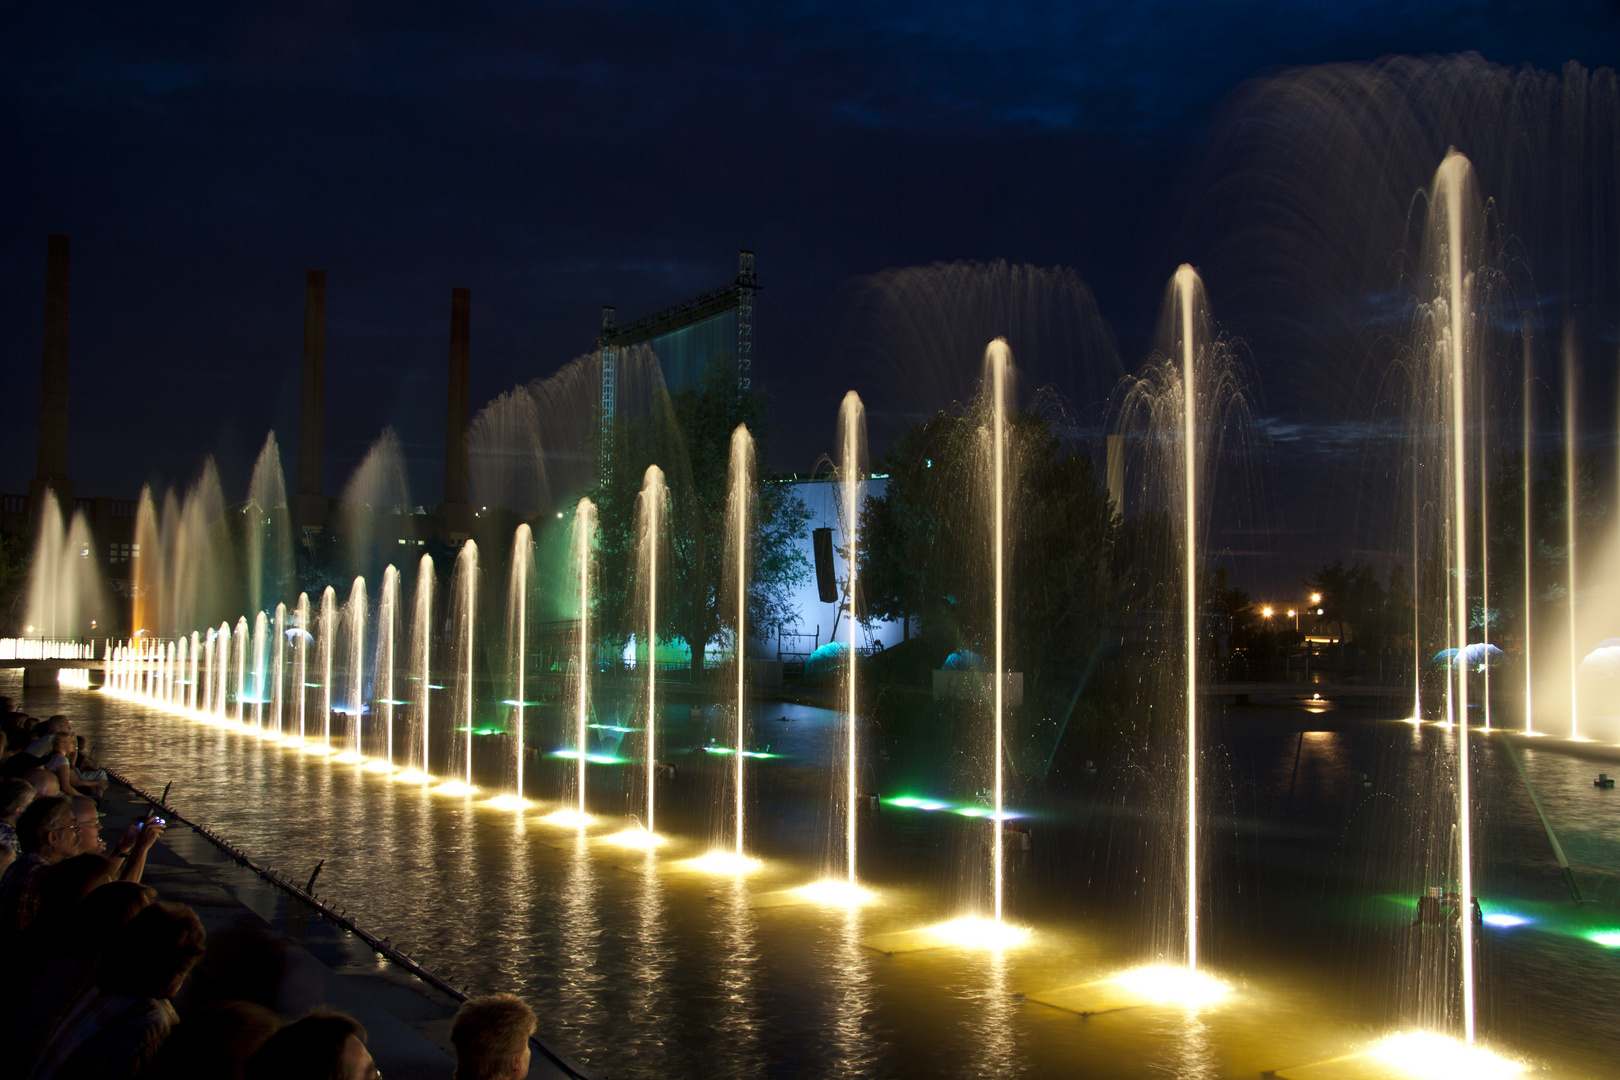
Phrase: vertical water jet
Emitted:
{"points": [[323, 656], [584, 542], [650, 511], [739, 495], [517, 639], [355, 615], [383, 683], [1570, 514]]}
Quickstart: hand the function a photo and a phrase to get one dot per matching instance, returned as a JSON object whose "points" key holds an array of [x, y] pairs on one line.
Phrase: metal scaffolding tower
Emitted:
{"points": [[736, 297]]}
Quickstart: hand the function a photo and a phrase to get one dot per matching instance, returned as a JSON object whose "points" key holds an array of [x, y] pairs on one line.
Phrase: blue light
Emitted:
{"points": [[1505, 918]]}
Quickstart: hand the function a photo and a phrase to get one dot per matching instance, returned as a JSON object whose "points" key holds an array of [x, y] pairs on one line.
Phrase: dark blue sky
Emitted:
{"points": [[555, 157]]}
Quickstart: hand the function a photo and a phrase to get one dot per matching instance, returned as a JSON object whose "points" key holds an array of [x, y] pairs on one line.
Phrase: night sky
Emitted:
{"points": [[558, 157]]}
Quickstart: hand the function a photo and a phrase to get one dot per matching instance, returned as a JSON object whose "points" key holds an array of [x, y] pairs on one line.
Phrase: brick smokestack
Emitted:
{"points": [[312, 408], [51, 470], [455, 430]]}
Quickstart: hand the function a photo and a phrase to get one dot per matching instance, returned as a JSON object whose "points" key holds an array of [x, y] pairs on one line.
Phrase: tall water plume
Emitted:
{"points": [[651, 509], [1451, 339], [531, 448], [852, 468], [741, 498], [260, 632], [240, 641], [584, 557], [1189, 404], [66, 593], [1571, 525], [201, 581], [325, 643], [383, 683], [301, 642], [278, 686], [517, 647], [268, 540], [354, 624], [421, 664], [146, 570], [377, 487], [463, 612]]}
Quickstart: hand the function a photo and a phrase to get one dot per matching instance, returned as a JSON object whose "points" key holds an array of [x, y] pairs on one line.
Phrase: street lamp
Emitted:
{"points": [[1292, 614]]}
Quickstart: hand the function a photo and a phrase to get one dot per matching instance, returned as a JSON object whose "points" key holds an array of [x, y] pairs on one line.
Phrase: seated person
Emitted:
{"points": [[322, 1044], [58, 763], [85, 766], [41, 746], [116, 1031], [43, 780], [33, 1005], [15, 795], [47, 831], [491, 1036]]}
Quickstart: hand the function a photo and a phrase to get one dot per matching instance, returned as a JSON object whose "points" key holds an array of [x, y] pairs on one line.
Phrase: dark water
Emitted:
{"points": [[644, 969]]}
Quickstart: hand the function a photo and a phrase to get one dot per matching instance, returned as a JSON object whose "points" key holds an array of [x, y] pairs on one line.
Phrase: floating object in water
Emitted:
{"points": [[664, 771], [1476, 656], [868, 800], [1604, 780], [786, 720], [1020, 835]]}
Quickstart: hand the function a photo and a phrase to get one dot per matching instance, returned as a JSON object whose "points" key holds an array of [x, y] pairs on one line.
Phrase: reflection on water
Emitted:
{"points": [[643, 971]]}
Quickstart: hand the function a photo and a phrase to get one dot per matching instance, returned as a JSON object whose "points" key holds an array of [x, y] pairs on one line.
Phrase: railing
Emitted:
{"points": [[45, 649]]}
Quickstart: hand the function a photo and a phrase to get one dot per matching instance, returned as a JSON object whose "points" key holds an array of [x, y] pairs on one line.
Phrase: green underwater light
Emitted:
{"points": [[967, 810], [613, 727], [1609, 939], [514, 701], [594, 759], [745, 753]]}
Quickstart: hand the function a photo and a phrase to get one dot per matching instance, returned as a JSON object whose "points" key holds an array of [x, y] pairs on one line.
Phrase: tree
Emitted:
{"points": [[928, 552], [688, 435]]}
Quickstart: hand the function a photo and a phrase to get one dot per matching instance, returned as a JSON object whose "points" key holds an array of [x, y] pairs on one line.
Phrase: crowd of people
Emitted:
{"points": [[108, 981]]}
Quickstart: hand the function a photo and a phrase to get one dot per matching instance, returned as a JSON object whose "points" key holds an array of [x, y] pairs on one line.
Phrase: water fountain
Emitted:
{"points": [[325, 643], [422, 667], [584, 547], [278, 688], [1571, 518], [240, 641], [517, 653], [650, 520], [851, 475], [387, 622], [301, 639], [260, 629], [739, 497], [354, 617], [464, 593]]}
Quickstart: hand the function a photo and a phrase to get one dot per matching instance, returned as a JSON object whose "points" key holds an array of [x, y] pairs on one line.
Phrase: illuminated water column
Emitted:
{"points": [[651, 507], [1570, 512], [260, 629], [422, 658], [1528, 424], [301, 664], [355, 616], [1186, 289], [466, 575], [1453, 185], [383, 687], [323, 655], [517, 641], [740, 491], [279, 686], [584, 541], [851, 440], [241, 668]]}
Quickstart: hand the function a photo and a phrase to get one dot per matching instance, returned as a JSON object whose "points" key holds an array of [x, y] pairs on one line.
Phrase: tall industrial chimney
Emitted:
{"points": [[51, 467], [309, 503], [457, 512]]}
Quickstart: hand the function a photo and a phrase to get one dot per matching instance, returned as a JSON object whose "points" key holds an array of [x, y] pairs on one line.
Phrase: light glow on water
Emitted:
{"points": [[507, 802], [378, 765], [1164, 984], [1609, 939], [724, 862], [637, 838], [1505, 918], [594, 759], [569, 819], [413, 776], [835, 892], [1424, 1055], [349, 757], [454, 787], [977, 933]]}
